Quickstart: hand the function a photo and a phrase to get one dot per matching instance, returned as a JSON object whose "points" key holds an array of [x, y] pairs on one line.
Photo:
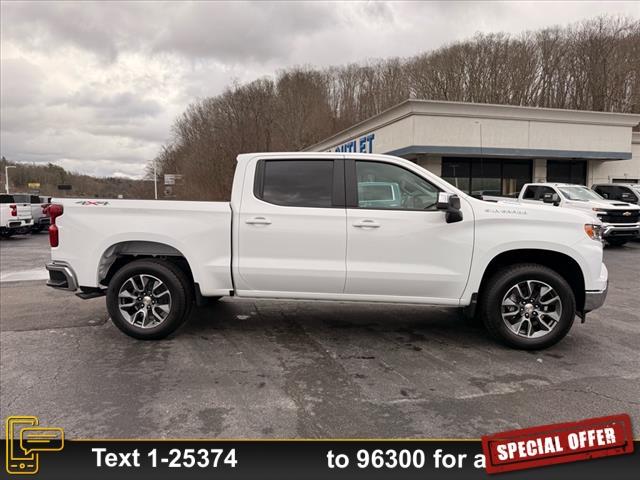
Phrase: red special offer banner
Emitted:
{"points": [[559, 443]]}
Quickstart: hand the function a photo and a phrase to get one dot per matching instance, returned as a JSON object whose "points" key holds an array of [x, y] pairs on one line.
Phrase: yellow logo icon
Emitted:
{"points": [[25, 440]]}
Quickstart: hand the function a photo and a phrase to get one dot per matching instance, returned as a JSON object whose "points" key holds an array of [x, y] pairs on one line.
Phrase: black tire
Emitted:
{"points": [[176, 283], [501, 283], [616, 242]]}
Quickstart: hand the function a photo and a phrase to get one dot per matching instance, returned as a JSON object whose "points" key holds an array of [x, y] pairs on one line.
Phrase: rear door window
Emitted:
{"points": [[626, 194], [297, 183], [530, 193]]}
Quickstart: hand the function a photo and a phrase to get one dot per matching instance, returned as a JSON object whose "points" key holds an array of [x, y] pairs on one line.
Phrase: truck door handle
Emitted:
{"points": [[367, 224], [258, 221]]}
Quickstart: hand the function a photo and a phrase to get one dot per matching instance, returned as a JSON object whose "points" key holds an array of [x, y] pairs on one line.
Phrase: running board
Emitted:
{"points": [[87, 293]]}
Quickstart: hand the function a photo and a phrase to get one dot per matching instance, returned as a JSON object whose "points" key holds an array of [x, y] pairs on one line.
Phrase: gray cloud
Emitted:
{"points": [[20, 80], [115, 106], [95, 86], [225, 31]]}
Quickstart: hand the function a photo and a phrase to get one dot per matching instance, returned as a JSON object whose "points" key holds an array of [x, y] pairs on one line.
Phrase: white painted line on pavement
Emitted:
{"points": [[24, 275]]}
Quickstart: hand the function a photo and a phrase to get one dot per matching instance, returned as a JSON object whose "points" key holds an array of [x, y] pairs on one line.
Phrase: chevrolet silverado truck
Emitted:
{"points": [[38, 207], [333, 226], [15, 215], [620, 220]]}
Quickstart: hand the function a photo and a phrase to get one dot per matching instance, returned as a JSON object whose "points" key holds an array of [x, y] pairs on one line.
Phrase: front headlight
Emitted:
{"points": [[594, 232]]}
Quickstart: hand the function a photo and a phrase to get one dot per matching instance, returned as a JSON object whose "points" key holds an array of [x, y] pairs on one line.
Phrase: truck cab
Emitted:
{"points": [[621, 192], [620, 220]]}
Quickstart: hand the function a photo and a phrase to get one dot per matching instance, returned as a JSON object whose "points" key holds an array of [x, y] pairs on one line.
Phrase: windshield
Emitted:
{"points": [[579, 193]]}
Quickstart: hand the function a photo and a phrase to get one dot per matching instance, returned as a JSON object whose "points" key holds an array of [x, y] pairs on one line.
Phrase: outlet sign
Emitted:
{"points": [[363, 144]]}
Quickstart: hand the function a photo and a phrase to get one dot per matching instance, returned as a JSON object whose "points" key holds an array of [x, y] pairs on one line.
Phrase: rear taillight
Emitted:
{"points": [[54, 212], [53, 236], [14, 210]]}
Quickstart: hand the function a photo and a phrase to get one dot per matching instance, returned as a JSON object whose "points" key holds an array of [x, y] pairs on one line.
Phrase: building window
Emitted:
{"points": [[515, 173], [457, 171], [487, 176], [567, 171]]}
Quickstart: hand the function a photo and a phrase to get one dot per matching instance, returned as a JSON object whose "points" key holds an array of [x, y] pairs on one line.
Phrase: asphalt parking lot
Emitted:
{"points": [[254, 369]]}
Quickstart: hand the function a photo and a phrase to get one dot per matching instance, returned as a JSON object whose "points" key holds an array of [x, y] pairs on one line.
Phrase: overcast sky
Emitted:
{"points": [[95, 87]]}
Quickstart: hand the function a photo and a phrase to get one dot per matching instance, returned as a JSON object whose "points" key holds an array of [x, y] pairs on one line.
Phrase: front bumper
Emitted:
{"points": [[619, 230], [595, 299], [62, 276]]}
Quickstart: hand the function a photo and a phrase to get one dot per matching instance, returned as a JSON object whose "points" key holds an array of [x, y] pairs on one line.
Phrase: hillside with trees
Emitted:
{"points": [[50, 176], [593, 65]]}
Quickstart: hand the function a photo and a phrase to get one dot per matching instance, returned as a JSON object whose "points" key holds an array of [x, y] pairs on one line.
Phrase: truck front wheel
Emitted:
{"points": [[528, 306], [149, 299]]}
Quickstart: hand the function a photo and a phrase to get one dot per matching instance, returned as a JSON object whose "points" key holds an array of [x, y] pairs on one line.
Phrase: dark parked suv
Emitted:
{"points": [[624, 192]]}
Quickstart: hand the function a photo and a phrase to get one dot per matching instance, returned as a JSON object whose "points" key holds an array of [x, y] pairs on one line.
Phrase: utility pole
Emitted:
{"points": [[155, 178], [6, 176]]}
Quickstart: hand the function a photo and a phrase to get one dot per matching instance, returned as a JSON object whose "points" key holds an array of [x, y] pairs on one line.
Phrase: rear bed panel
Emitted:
{"points": [[200, 231]]}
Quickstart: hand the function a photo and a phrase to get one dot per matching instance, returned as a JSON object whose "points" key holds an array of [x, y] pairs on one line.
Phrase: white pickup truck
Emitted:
{"points": [[620, 220], [38, 207], [333, 226], [15, 215]]}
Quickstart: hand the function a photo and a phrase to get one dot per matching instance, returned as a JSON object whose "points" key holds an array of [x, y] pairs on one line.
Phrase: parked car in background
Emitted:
{"points": [[332, 226], [624, 192], [15, 215], [620, 220], [38, 209]]}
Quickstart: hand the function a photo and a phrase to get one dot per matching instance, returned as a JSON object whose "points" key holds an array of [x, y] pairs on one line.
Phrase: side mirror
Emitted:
{"points": [[450, 203], [551, 198]]}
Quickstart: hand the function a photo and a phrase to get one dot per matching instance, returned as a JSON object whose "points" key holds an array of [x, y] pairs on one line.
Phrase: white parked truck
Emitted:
{"points": [[620, 220], [333, 226], [15, 215], [38, 207]]}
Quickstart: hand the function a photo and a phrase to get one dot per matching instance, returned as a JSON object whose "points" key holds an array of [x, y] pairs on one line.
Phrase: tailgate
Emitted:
{"points": [[24, 211]]}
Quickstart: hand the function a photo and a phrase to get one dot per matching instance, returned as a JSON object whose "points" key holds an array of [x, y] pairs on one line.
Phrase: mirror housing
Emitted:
{"points": [[553, 198], [450, 203]]}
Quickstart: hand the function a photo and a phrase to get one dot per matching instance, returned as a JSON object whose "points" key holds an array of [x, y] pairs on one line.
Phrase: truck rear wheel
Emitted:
{"points": [[528, 306], [149, 299]]}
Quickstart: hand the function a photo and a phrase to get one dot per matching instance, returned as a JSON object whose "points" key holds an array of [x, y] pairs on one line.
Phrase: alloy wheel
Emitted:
{"points": [[144, 301], [531, 309]]}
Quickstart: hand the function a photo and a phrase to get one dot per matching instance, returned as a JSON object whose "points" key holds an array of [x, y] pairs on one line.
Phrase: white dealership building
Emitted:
{"points": [[495, 149]]}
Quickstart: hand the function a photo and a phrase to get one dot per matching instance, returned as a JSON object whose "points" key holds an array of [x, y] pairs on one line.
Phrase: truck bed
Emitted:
{"points": [[92, 232]]}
